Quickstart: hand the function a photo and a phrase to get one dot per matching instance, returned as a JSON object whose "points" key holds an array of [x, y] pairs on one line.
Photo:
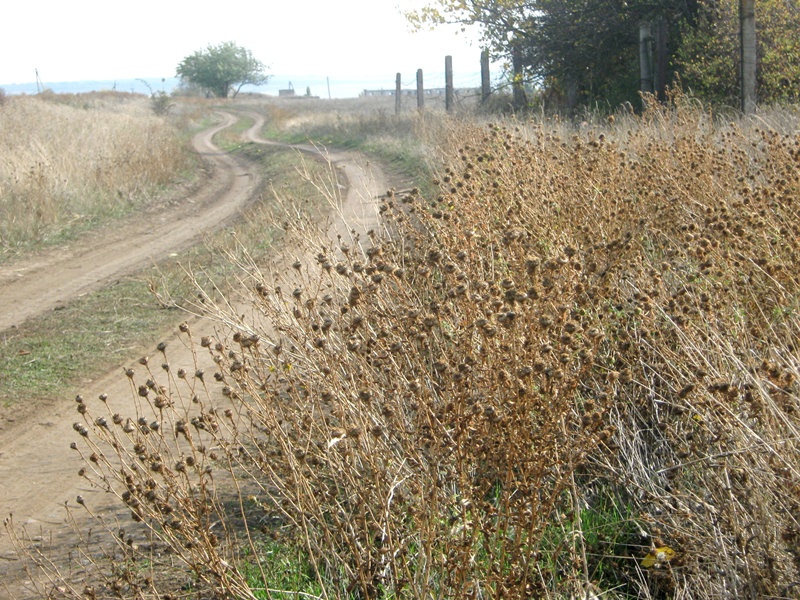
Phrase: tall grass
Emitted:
{"points": [[69, 161], [571, 372]]}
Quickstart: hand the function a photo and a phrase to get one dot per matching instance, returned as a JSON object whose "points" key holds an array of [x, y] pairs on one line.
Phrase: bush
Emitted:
{"points": [[572, 371]]}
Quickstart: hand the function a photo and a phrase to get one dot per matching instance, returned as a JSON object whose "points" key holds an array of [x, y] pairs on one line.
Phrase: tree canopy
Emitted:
{"points": [[222, 68], [585, 51], [708, 59]]}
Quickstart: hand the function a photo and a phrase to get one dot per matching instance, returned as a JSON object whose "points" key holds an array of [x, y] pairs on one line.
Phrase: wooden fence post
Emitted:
{"points": [[661, 59], [420, 91], [397, 93], [520, 101], [448, 83], [485, 89], [747, 41], [645, 59]]}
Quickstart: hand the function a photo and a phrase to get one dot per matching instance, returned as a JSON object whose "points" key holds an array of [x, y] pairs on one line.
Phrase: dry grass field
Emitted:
{"points": [[69, 161], [571, 370]]}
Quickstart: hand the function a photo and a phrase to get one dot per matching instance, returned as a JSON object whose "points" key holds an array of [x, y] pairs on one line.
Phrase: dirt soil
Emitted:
{"points": [[38, 471]]}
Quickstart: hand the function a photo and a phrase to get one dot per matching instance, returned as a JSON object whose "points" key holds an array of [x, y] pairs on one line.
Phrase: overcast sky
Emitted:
{"points": [[75, 40]]}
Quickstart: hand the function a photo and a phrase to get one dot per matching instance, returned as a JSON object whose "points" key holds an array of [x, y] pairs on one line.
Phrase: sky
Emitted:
{"points": [[299, 40]]}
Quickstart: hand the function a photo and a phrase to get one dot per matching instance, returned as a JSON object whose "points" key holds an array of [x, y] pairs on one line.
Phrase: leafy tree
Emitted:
{"points": [[576, 50], [222, 68], [709, 60]]}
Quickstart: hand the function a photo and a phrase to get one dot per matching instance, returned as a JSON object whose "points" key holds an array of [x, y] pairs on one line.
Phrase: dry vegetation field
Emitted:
{"points": [[70, 161], [570, 370]]}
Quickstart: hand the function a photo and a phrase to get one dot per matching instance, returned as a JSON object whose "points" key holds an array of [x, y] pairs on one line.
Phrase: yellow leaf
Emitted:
{"points": [[658, 556]]}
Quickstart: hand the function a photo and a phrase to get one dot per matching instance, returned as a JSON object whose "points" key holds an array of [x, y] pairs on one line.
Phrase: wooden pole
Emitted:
{"points": [[397, 91], [485, 88], [520, 101], [448, 83], [420, 91], [661, 59], [645, 59], [747, 40]]}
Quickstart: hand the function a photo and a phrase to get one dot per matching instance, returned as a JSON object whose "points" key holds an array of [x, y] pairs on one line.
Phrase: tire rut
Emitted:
{"points": [[38, 471]]}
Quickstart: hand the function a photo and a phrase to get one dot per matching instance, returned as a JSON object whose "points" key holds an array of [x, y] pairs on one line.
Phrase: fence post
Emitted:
{"points": [[448, 83], [397, 93], [485, 89], [520, 101], [420, 91], [645, 59], [747, 40], [661, 59]]}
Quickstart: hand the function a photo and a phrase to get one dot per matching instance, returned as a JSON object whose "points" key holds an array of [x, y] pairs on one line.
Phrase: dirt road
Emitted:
{"points": [[38, 472]]}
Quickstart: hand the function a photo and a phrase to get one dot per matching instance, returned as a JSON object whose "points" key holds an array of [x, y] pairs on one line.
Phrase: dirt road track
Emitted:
{"points": [[38, 472], [33, 287]]}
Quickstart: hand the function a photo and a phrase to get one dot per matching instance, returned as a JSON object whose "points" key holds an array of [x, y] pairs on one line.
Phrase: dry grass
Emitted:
{"points": [[69, 161], [571, 373]]}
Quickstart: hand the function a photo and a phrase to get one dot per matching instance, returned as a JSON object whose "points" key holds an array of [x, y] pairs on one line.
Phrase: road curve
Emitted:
{"points": [[34, 286], [38, 472]]}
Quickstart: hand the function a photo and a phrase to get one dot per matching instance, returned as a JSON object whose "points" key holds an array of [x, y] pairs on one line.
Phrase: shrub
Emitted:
{"points": [[572, 371]]}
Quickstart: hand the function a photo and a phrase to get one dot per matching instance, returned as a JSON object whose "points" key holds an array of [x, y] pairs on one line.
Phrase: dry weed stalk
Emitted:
{"points": [[573, 372]]}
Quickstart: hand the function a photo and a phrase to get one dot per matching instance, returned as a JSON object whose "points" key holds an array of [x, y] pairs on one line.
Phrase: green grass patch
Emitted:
{"points": [[281, 571], [50, 354], [230, 138], [377, 132]]}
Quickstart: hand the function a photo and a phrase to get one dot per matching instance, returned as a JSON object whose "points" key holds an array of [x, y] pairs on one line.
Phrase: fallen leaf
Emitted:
{"points": [[658, 556]]}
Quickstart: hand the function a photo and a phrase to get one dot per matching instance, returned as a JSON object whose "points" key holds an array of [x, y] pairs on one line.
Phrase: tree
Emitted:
{"points": [[578, 51], [222, 68], [708, 60]]}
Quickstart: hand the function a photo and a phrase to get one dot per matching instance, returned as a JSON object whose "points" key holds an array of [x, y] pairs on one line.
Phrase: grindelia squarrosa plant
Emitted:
{"points": [[572, 372]]}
